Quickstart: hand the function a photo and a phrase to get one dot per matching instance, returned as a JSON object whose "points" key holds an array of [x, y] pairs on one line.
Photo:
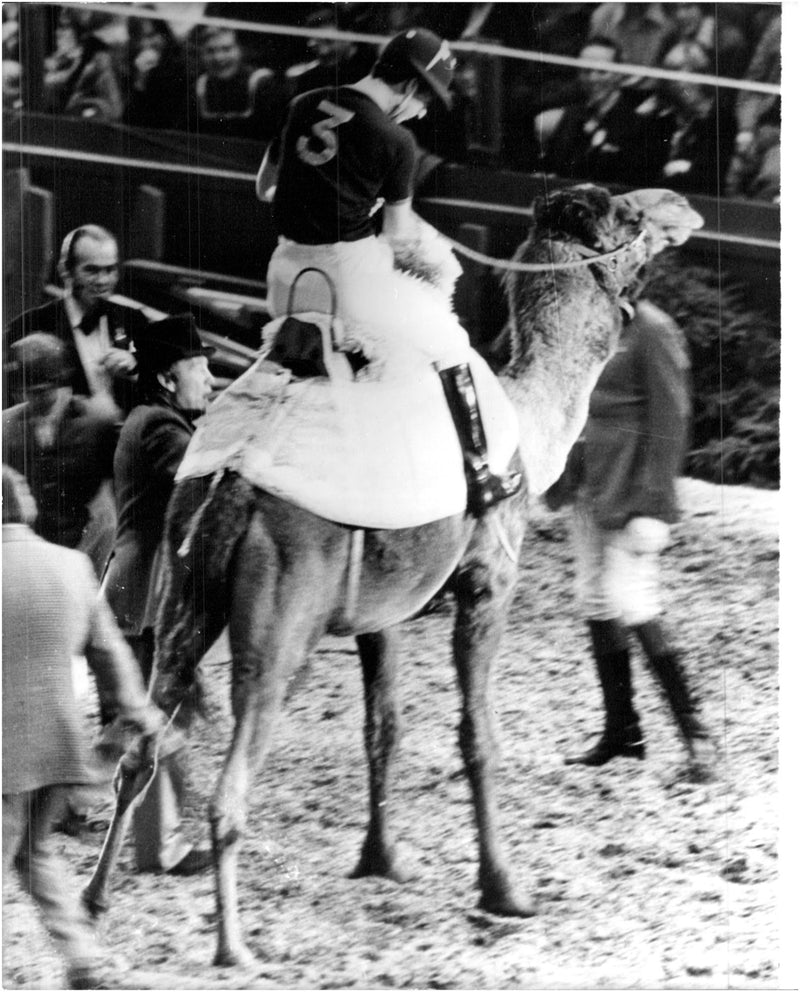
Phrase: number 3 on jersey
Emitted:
{"points": [[325, 132]]}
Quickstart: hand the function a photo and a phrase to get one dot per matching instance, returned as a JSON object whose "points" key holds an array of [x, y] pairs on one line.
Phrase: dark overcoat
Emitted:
{"points": [[151, 446], [635, 438], [65, 476]]}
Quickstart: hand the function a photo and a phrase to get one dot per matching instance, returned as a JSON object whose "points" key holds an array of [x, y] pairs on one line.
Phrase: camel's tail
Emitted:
{"points": [[207, 517]]}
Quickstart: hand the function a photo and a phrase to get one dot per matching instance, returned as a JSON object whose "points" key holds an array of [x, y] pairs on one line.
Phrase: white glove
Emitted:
{"points": [[646, 535]]}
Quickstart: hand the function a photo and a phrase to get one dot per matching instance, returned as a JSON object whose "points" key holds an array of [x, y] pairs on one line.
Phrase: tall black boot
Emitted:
{"points": [[622, 735], [668, 669], [484, 489]]}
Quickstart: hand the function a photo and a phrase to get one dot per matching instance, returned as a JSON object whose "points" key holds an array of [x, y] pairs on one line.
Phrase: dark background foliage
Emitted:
{"points": [[735, 354]]}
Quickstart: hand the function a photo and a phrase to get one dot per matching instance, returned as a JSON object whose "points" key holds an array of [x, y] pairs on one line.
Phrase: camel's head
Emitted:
{"points": [[598, 220], [643, 222]]}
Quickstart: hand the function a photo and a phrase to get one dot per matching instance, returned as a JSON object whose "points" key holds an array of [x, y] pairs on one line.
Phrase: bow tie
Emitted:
{"points": [[91, 320]]}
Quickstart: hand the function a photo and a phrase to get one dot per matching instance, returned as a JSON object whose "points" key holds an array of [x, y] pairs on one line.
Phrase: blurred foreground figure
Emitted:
{"points": [[64, 446], [620, 479], [51, 612]]}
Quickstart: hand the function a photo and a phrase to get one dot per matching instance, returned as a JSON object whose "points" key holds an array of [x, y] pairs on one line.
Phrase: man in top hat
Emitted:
{"points": [[64, 446], [96, 332], [174, 389], [343, 153]]}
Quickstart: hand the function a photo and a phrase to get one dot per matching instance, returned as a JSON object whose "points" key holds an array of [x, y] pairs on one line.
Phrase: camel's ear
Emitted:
{"points": [[667, 216]]}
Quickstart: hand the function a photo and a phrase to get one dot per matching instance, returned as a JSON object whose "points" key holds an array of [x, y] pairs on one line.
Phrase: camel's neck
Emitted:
{"points": [[550, 381]]}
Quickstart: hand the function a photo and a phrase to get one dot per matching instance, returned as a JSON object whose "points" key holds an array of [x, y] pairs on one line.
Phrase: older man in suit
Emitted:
{"points": [[52, 612], [98, 335], [175, 385]]}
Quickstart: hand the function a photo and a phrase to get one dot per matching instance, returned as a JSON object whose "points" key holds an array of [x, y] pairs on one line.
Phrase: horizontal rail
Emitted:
{"points": [[182, 272], [51, 151], [249, 177]]}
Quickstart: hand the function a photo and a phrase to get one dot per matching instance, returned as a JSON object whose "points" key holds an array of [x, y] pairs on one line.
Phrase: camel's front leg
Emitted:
{"points": [[378, 654], [276, 620], [484, 584]]}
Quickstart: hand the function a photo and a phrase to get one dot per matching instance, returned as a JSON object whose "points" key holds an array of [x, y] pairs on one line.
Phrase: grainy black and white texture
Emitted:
{"points": [[640, 878]]}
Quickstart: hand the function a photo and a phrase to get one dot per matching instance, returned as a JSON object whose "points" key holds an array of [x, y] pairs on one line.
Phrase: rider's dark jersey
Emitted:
{"points": [[339, 153]]}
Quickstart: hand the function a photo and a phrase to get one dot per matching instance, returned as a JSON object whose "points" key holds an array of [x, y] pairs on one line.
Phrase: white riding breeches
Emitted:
{"points": [[616, 576], [394, 314]]}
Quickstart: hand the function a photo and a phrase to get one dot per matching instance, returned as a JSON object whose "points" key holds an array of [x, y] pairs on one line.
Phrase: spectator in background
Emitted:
{"points": [[79, 76], [755, 167], [51, 613], [533, 87], [605, 137], [334, 61], [157, 80], [12, 68], [721, 39], [175, 385], [641, 31], [98, 333], [231, 97], [702, 135], [65, 450], [620, 480]]}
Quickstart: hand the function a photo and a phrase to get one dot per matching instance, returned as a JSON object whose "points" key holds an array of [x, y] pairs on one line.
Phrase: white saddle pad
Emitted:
{"points": [[381, 455]]}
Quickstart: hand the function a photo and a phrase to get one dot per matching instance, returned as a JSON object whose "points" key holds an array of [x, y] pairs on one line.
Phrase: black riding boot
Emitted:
{"points": [[622, 735], [669, 671], [484, 489]]}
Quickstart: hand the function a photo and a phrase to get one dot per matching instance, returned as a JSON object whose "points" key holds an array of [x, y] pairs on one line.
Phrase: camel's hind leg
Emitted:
{"points": [[484, 584], [277, 616], [378, 654]]}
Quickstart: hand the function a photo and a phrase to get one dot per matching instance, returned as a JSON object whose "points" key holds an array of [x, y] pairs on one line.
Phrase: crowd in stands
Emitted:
{"points": [[183, 74]]}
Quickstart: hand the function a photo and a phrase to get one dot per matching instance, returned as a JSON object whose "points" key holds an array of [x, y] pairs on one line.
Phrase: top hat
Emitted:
{"points": [[42, 360], [163, 342], [427, 56]]}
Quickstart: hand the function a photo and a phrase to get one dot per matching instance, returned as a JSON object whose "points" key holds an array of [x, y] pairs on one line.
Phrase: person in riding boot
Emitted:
{"points": [[620, 481], [343, 153]]}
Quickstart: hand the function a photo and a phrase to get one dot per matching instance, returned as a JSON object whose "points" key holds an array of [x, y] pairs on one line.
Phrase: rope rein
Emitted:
{"points": [[610, 259]]}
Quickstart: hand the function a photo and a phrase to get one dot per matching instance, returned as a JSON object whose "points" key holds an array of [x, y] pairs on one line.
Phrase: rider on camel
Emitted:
{"points": [[342, 153]]}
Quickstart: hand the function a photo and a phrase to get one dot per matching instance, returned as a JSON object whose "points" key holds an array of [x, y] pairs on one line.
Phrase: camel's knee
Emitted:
{"points": [[483, 587], [134, 771], [227, 821], [479, 749]]}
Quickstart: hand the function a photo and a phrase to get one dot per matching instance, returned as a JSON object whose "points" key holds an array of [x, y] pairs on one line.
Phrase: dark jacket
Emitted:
{"points": [[634, 442], [63, 477], [51, 612], [124, 326], [620, 144], [699, 152], [151, 446]]}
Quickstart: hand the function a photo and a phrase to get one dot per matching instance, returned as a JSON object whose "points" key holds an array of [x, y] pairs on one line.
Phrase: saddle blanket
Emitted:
{"points": [[381, 455]]}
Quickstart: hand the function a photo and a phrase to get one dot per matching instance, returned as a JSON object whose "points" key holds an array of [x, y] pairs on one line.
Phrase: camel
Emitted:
{"points": [[278, 575]]}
